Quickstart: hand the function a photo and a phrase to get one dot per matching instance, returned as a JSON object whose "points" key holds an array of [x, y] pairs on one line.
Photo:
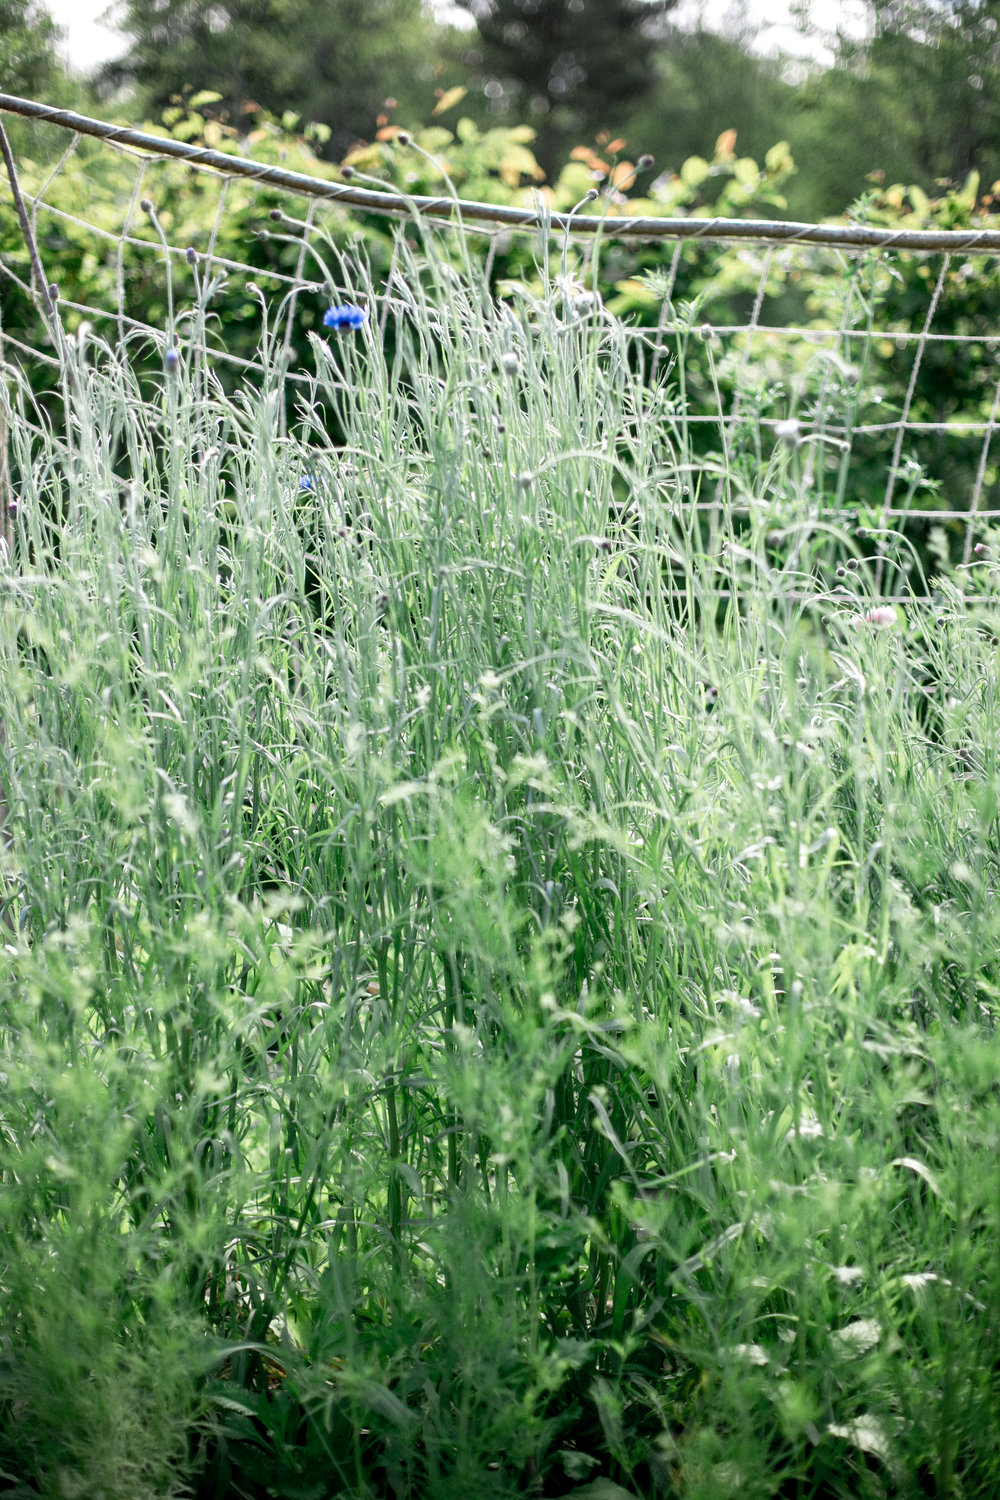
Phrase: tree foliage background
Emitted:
{"points": [[569, 66], [913, 99], [28, 38], [333, 63]]}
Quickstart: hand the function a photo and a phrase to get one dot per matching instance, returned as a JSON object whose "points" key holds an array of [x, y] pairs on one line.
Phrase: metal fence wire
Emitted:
{"points": [[875, 351]]}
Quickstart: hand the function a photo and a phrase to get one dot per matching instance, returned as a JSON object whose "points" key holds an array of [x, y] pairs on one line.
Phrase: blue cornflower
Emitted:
{"points": [[307, 482], [346, 316]]}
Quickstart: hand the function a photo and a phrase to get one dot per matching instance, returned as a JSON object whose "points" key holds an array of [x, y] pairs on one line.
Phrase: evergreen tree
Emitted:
{"points": [[573, 66], [708, 82], [330, 61], [941, 62], [28, 37], [918, 98]]}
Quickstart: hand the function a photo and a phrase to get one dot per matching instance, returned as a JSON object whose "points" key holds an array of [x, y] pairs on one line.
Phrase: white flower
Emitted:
{"points": [[789, 432]]}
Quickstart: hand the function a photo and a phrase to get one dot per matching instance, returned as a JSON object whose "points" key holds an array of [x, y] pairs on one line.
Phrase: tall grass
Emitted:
{"points": [[500, 982]]}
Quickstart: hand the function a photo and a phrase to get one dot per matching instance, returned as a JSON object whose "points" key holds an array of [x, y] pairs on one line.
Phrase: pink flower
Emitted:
{"points": [[882, 616]]}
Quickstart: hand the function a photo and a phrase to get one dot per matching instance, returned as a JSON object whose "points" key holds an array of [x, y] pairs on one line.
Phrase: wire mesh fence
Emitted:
{"points": [[867, 358]]}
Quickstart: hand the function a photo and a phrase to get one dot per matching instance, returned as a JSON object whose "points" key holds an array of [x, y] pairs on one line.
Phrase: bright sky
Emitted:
{"points": [[87, 42]]}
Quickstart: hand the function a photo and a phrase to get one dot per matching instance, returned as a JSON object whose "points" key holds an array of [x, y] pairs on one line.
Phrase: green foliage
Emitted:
{"points": [[28, 38], [914, 100], [486, 166], [936, 68], [709, 83], [955, 381], [99, 1347], [571, 66], [333, 64]]}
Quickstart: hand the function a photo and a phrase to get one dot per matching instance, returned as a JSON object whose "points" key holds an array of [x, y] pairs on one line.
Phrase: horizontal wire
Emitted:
{"points": [[844, 237], [989, 341], [817, 336], [848, 517], [179, 251]]}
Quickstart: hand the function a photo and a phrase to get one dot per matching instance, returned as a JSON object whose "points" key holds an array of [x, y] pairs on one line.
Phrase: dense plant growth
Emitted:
{"points": [[500, 980]]}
